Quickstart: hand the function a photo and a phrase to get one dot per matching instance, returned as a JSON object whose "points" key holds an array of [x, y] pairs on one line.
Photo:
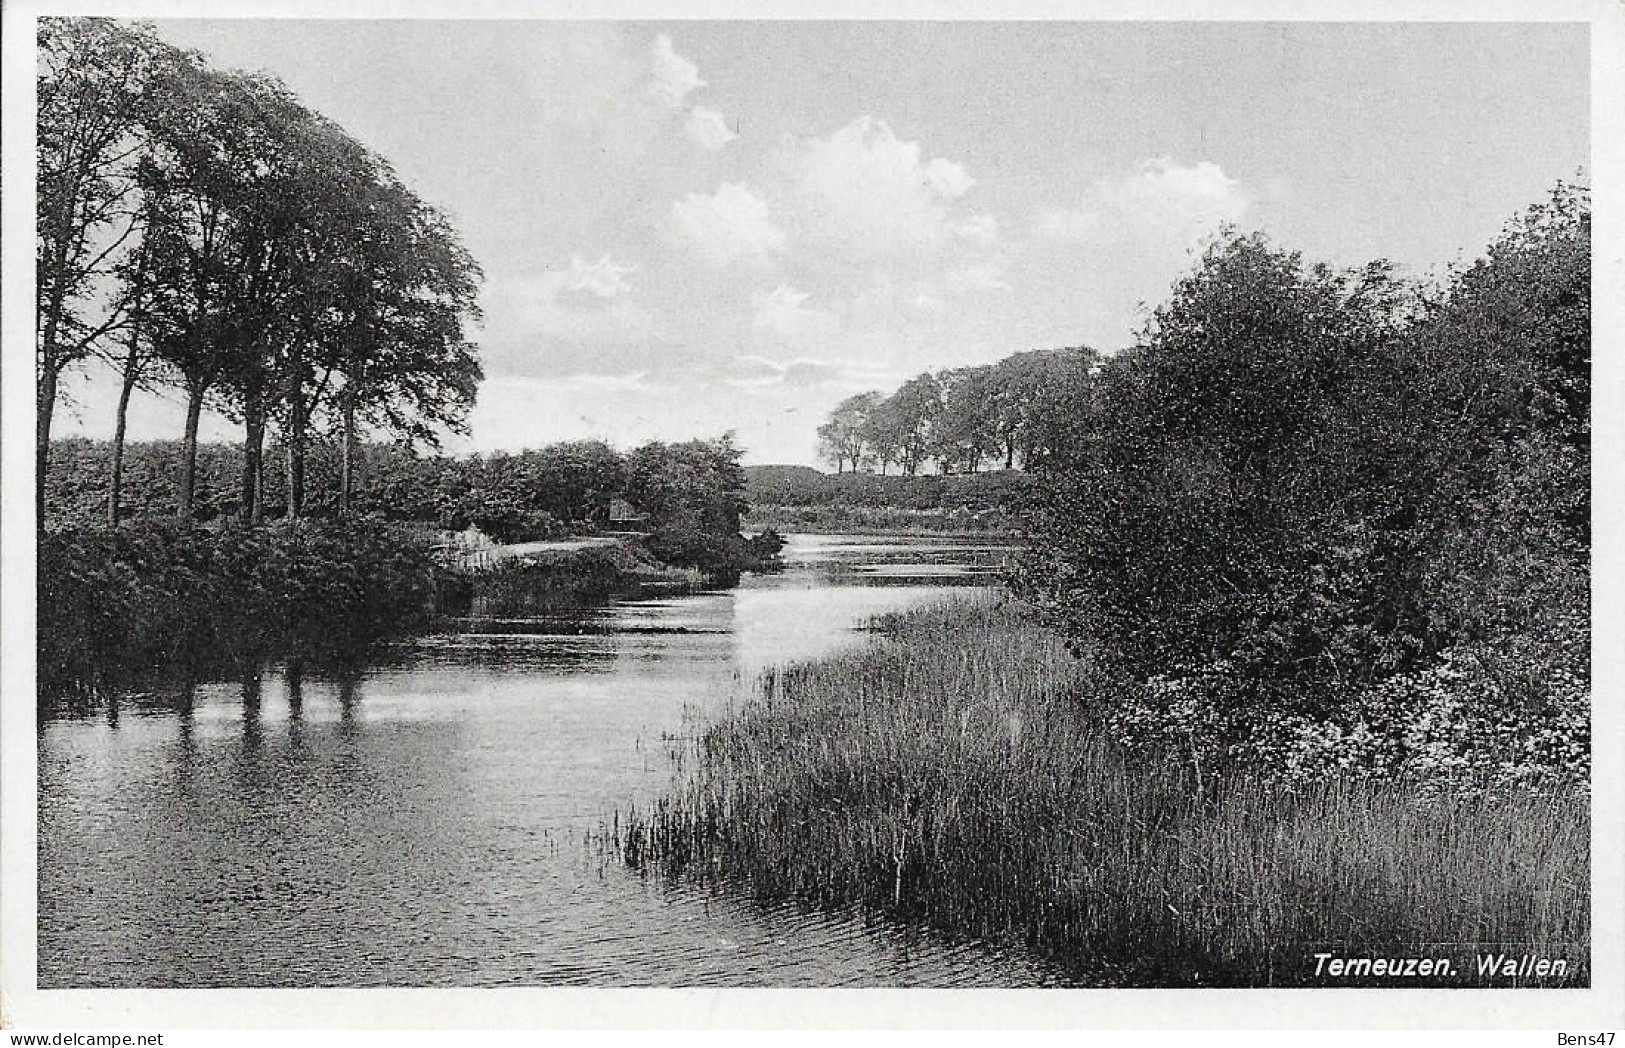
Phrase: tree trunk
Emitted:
{"points": [[259, 486], [294, 676], [194, 410], [347, 457], [253, 509], [115, 479], [132, 369], [296, 456], [51, 365], [45, 403]]}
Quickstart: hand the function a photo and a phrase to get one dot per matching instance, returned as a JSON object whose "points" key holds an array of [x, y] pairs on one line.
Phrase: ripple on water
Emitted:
{"points": [[426, 821]]}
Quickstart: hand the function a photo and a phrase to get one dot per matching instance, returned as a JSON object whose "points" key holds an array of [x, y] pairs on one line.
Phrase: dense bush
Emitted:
{"points": [[118, 604], [1316, 516], [151, 594], [526, 587]]}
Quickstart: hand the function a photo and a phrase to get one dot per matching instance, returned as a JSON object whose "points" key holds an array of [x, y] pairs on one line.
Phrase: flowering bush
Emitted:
{"points": [[1455, 723]]}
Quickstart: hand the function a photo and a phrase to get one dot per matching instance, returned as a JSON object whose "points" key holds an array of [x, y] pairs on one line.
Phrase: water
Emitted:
{"points": [[426, 822]]}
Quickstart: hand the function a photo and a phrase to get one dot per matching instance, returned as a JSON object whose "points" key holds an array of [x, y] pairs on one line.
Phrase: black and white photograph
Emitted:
{"points": [[954, 500]]}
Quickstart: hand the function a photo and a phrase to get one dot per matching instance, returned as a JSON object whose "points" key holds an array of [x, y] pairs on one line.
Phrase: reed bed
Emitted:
{"points": [[951, 774]]}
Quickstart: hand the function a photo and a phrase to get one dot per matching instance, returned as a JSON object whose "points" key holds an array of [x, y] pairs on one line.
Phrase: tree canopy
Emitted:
{"points": [[272, 267], [1302, 484]]}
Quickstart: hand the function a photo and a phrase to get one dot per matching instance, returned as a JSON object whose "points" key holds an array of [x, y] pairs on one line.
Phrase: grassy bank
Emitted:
{"points": [[953, 774], [567, 580], [848, 520], [797, 498]]}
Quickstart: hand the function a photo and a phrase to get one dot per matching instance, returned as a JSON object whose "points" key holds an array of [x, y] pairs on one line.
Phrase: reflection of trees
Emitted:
{"points": [[294, 677], [252, 688]]}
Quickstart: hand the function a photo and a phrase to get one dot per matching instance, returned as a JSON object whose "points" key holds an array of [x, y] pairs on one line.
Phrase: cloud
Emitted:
{"points": [[595, 79], [947, 178], [731, 224], [707, 129], [603, 278], [1127, 238], [871, 191], [1160, 198], [784, 312], [1063, 224], [751, 371], [671, 76]]}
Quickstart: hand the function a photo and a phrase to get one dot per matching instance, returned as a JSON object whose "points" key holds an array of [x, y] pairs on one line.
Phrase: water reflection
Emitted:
{"points": [[426, 819]]}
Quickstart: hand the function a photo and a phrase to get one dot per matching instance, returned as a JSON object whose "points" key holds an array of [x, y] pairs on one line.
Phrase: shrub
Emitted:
{"points": [[117, 604]]}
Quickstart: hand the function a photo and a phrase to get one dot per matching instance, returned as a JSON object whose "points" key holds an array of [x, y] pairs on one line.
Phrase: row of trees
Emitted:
{"points": [[1339, 513], [962, 418], [691, 495], [204, 231]]}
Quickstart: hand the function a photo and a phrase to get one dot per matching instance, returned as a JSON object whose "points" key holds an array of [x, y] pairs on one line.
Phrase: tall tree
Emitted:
{"points": [[844, 435], [95, 81], [969, 429], [406, 298], [238, 192], [303, 287], [1057, 395], [130, 372], [915, 412], [880, 434]]}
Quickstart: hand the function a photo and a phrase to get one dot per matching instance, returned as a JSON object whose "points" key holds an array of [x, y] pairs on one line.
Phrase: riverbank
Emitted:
{"points": [[799, 498], [901, 523], [953, 773], [119, 606], [540, 581]]}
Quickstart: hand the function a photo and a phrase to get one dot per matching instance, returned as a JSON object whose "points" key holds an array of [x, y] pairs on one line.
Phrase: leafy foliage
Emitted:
{"points": [[247, 250], [120, 603], [1321, 513], [1016, 410]]}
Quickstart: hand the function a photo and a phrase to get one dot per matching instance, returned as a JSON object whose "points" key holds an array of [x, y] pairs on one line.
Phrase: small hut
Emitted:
{"points": [[625, 516]]}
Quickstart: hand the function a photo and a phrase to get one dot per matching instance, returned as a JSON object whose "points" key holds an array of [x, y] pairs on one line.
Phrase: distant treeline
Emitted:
{"points": [[530, 495], [689, 496], [1013, 413], [806, 499]]}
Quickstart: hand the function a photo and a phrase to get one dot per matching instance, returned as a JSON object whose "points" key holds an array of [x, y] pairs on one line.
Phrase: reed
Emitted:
{"points": [[952, 774]]}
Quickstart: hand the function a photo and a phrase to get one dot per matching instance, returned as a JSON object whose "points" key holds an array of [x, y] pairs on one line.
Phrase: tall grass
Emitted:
{"points": [[953, 773]]}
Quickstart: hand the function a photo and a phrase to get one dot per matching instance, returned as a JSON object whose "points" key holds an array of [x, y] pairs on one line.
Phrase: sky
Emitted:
{"points": [[694, 227]]}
